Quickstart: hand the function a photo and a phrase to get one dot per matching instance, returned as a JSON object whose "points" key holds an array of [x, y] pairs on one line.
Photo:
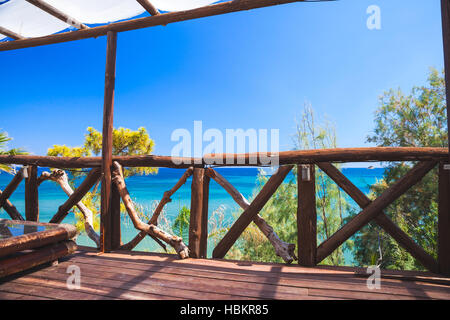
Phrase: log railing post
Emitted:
{"points": [[444, 221], [204, 234], [306, 216], [115, 218], [108, 111], [196, 217], [31, 195]]}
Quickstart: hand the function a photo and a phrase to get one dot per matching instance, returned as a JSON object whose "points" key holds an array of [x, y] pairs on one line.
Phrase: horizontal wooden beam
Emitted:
{"points": [[44, 6], [370, 154], [285, 157], [156, 20], [11, 34], [149, 7]]}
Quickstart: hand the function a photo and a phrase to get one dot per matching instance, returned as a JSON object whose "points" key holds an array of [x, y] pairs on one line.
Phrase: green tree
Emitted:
{"points": [[181, 223], [280, 210], [126, 142], [4, 139], [417, 119]]}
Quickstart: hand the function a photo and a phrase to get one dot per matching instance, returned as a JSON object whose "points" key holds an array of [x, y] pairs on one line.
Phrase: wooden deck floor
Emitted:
{"points": [[125, 275]]}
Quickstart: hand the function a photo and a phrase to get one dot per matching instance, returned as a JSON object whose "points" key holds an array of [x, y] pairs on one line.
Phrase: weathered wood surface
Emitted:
{"points": [[156, 20], [444, 221], [196, 214], [381, 219], [176, 242], [23, 261], [149, 7], [107, 142], [31, 195], [375, 208], [154, 219], [58, 14], [282, 249], [251, 212], [35, 239], [285, 157], [306, 215], [11, 34], [136, 275]]}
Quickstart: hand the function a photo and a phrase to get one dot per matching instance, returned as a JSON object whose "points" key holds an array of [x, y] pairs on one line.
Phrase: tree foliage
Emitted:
{"points": [[417, 119], [280, 211], [126, 142], [4, 139]]}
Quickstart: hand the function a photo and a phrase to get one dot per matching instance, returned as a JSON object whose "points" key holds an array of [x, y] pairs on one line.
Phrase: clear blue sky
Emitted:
{"points": [[250, 69]]}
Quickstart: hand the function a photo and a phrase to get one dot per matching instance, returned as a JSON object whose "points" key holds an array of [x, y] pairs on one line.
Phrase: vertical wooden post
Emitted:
{"points": [[204, 233], [445, 14], [444, 221], [306, 215], [195, 221], [31, 195], [116, 236], [444, 189], [108, 112]]}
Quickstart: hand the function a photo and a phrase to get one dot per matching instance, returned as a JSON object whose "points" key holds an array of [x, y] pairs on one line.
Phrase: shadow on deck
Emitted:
{"points": [[138, 275]]}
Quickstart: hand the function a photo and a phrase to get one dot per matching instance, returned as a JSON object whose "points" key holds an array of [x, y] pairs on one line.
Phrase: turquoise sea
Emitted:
{"points": [[147, 190]]}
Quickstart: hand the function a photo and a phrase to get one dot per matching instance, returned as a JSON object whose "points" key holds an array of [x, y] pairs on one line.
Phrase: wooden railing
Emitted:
{"points": [[309, 253]]}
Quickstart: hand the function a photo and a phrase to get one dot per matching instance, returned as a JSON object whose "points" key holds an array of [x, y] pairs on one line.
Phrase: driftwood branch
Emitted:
{"points": [[284, 250], [60, 177], [154, 219], [176, 242]]}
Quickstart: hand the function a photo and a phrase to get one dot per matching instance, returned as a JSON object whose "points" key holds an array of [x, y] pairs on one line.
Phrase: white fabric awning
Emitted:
{"points": [[27, 20]]}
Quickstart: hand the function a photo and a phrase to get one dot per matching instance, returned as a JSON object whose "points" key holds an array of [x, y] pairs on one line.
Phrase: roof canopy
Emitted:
{"points": [[35, 18]]}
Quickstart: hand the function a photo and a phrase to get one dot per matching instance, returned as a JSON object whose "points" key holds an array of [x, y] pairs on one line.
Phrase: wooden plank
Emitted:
{"points": [[444, 221], [195, 286], [48, 290], [107, 143], [11, 34], [306, 215], [271, 282], [381, 219], [250, 213], [31, 195], [11, 187], [376, 207], [91, 179], [149, 7], [204, 217], [195, 221], [157, 20], [147, 288], [44, 6]]}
